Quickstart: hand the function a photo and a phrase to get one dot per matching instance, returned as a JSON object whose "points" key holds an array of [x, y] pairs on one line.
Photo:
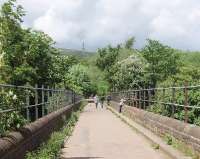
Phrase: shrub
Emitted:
{"points": [[10, 120]]}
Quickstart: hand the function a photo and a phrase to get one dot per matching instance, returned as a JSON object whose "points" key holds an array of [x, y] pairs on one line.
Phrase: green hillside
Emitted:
{"points": [[77, 53], [191, 58]]}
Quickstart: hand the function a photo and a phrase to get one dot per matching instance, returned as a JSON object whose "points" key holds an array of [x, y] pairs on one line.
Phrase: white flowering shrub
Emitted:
{"points": [[10, 120]]}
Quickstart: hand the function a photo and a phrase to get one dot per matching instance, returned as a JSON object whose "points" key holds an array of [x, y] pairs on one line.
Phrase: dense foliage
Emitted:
{"points": [[29, 57], [155, 65], [162, 60], [78, 79]]}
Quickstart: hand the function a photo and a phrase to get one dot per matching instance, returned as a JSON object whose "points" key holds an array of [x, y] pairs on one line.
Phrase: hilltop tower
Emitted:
{"points": [[83, 46]]}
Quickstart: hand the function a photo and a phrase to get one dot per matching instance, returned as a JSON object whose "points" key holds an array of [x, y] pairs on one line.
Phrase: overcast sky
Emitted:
{"points": [[101, 22]]}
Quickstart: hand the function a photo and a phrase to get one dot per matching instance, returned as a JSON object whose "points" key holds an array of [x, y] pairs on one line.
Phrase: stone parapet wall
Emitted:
{"points": [[16, 144], [161, 125]]}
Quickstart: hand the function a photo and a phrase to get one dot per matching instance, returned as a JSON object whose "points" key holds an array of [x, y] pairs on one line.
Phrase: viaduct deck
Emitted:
{"points": [[100, 134]]}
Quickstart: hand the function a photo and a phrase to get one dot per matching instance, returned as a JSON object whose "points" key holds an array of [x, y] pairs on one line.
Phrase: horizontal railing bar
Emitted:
{"points": [[159, 102], [6, 111], [29, 106], [33, 88], [159, 88]]}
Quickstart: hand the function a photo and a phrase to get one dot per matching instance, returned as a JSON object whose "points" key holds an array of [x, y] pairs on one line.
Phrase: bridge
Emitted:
{"points": [[102, 132]]}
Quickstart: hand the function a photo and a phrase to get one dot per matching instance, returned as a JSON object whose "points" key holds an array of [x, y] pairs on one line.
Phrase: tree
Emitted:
{"points": [[102, 88], [129, 43], [11, 34], [61, 66], [129, 73], [26, 54], [107, 57], [29, 56], [11, 38], [78, 80], [39, 55], [163, 61]]}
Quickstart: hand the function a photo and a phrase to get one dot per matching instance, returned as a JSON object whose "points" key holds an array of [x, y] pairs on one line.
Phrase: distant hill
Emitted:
{"points": [[78, 53], [190, 58]]}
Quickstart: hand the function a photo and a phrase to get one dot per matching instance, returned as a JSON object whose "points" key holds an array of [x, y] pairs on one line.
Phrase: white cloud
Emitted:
{"points": [[99, 22]]}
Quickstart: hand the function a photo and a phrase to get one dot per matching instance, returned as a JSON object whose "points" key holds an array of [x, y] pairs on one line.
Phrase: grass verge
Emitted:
{"points": [[51, 148], [181, 146]]}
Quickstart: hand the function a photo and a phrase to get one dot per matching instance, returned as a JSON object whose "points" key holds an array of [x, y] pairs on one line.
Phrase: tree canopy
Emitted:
{"points": [[129, 43], [162, 60]]}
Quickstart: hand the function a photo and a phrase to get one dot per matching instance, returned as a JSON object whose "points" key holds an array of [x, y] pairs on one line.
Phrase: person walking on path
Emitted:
{"points": [[102, 99], [108, 99], [96, 100], [121, 103]]}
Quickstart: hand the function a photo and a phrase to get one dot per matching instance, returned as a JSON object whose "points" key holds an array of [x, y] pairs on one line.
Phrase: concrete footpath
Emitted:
{"points": [[100, 134]]}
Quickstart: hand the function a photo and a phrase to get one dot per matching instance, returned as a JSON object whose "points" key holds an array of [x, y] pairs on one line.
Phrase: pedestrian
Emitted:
{"points": [[102, 99], [108, 99], [121, 103], [96, 100]]}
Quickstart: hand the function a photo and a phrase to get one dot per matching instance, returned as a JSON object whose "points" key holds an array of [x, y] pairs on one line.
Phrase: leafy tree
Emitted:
{"points": [[102, 88], [39, 53], [97, 76], [61, 66], [129, 43], [107, 57], [78, 79], [11, 37], [128, 73], [11, 34], [26, 54], [163, 61]]}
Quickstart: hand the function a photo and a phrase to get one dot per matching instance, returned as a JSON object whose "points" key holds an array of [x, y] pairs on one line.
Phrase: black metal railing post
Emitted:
{"points": [[186, 102], [36, 101], [27, 105], [173, 102], [43, 102]]}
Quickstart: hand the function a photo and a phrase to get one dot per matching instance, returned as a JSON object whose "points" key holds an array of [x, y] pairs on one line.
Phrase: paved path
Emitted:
{"points": [[100, 134]]}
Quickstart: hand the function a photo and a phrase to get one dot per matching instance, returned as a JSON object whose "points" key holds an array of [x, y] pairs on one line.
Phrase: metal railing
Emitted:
{"points": [[34, 102], [173, 99]]}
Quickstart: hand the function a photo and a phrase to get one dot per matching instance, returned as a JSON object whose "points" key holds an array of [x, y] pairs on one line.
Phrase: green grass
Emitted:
{"points": [[181, 146], [51, 148], [156, 146]]}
